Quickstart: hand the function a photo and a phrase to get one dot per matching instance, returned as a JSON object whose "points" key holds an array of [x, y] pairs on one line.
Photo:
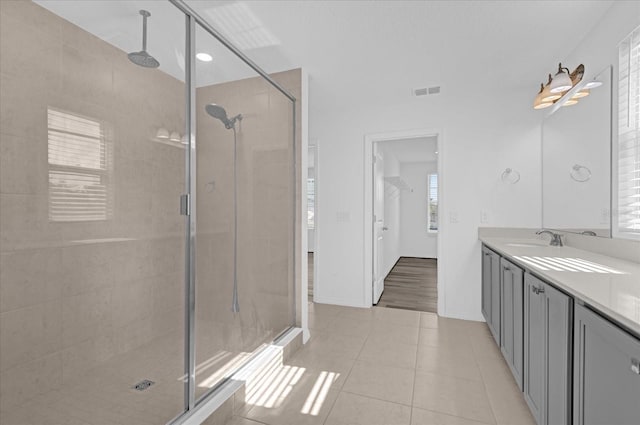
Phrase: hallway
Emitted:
{"points": [[412, 284], [384, 366]]}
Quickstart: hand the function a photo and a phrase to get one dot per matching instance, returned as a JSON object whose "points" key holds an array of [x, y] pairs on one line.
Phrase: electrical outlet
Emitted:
{"points": [[453, 217], [484, 216]]}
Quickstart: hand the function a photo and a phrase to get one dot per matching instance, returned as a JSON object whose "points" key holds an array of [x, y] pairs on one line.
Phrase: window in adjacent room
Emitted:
{"points": [[432, 203], [628, 148], [311, 203], [79, 167]]}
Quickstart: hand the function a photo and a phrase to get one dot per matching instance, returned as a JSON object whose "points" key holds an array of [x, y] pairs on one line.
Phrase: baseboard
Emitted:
{"points": [[336, 301]]}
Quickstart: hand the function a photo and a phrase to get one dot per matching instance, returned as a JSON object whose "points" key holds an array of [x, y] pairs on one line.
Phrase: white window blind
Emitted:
{"points": [[629, 136], [432, 205], [79, 163], [311, 203]]}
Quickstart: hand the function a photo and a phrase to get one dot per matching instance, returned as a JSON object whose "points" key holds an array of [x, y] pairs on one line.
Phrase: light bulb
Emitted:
{"points": [[204, 57], [593, 84], [561, 81], [582, 93]]}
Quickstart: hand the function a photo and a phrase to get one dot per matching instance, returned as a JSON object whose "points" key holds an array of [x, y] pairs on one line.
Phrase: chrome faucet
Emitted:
{"points": [[556, 238]]}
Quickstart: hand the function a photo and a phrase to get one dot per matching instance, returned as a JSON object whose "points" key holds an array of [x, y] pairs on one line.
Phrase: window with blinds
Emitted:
{"points": [[628, 167], [79, 165], [432, 204], [311, 203]]}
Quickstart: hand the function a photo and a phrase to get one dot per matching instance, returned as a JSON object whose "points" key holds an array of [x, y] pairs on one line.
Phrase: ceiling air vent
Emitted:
{"points": [[426, 91]]}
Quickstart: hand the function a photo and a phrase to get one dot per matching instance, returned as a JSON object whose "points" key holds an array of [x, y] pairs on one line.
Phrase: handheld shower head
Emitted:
{"points": [[218, 112]]}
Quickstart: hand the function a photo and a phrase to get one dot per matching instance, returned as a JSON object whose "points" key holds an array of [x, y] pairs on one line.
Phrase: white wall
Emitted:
{"points": [[484, 131], [415, 240], [392, 194]]}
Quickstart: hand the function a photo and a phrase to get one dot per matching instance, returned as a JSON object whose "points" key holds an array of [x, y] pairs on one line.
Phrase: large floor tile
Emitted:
{"points": [[381, 353], [392, 384], [394, 334], [453, 396], [448, 361], [451, 337], [318, 360], [350, 326], [396, 316], [352, 409], [337, 345], [429, 417]]}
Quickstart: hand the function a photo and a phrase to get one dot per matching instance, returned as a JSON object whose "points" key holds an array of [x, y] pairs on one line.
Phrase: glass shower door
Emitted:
{"points": [[244, 212]]}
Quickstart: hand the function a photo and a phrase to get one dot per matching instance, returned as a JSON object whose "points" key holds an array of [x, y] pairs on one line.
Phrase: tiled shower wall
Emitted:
{"points": [[74, 294], [265, 208]]}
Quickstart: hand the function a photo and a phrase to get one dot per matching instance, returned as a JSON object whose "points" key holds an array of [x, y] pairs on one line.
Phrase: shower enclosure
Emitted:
{"points": [[147, 209]]}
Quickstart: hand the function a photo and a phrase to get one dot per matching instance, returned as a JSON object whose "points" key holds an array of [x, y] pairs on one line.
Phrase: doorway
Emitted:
{"points": [[402, 222]]}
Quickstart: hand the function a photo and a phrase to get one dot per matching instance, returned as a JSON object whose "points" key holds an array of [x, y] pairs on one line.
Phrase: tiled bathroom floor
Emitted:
{"points": [[389, 367]]}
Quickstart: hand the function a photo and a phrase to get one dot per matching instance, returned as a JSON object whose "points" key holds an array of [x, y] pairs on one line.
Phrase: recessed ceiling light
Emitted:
{"points": [[204, 57]]}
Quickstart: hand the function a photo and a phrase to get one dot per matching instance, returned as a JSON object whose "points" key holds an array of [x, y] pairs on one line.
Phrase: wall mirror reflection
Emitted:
{"points": [[576, 162]]}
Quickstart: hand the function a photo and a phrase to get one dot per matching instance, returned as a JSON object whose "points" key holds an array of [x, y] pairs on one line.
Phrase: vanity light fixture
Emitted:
{"points": [[561, 81], [558, 86]]}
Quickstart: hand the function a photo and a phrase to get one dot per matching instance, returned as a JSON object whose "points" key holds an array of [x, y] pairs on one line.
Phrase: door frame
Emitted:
{"points": [[369, 140]]}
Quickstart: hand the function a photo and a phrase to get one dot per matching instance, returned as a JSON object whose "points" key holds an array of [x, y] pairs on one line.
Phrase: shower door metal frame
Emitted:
{"points": [[189, 199]]}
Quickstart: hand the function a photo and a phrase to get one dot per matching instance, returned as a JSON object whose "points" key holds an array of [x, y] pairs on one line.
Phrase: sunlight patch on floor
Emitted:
{"points": [[318, 393]]}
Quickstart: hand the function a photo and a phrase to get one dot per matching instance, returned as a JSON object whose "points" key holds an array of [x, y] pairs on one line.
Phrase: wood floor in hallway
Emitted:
{"points": [[412, 285]]}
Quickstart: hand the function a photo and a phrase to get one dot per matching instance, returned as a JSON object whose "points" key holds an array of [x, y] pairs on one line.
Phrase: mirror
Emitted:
{"points": [[576, 162]]}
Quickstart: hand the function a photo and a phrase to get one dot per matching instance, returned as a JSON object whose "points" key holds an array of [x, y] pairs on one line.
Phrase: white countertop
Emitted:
{"points": [[609, 285]]}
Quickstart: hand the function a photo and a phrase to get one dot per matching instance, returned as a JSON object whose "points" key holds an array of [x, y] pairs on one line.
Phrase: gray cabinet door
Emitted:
{"points": [[486, 283], [491, 291], [495, 296], [547, 367], [606, 372], [559, 311], [511, 330], [534, 347]]}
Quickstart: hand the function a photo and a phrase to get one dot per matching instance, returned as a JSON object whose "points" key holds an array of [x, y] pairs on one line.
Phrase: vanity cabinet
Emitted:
{"points": [[606, 372], [511, 313], [491, 291], [547, 352]]}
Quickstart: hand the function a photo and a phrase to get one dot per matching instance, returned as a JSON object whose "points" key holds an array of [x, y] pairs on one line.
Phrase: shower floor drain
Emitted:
{"points": [[143, 385]]}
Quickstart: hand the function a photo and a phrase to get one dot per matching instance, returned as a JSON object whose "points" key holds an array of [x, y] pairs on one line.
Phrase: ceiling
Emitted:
{"points": [[356, 51]]}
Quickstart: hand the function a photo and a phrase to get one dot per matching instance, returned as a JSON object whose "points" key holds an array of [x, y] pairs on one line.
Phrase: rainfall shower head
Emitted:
{"points": [[142, 58], [218, 112]]}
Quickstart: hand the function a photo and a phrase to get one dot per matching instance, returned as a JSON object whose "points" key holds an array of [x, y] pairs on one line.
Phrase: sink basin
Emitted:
{"points": [[526, 245]]}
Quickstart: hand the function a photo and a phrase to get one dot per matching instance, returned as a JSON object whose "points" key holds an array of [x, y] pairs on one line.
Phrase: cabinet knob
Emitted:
{"points": [[635, 366]]}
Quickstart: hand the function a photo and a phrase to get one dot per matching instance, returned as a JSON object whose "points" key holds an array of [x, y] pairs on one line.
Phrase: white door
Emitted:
{"points": [[378, 224]]}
